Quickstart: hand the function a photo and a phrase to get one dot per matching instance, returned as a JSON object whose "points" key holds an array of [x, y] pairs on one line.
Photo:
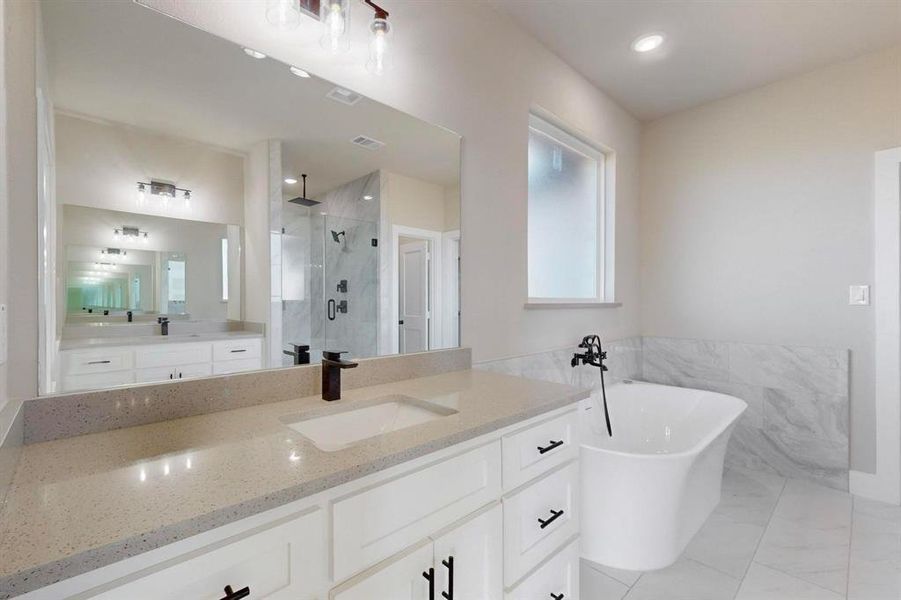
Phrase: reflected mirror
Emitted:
{"points": [[210, 212]]}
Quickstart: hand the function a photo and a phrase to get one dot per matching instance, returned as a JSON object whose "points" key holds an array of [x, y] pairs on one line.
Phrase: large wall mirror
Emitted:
{"points": [[205, 210]]}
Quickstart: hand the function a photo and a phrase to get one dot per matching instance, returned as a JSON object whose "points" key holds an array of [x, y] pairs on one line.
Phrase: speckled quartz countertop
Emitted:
{"points": [[81, 503], [142, 340]]}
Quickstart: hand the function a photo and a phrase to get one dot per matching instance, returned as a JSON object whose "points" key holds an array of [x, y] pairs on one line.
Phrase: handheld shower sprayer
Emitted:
{"points": [[595, 356]]}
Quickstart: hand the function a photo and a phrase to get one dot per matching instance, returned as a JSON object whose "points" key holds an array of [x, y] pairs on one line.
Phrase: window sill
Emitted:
{"points": [[573, 304]]}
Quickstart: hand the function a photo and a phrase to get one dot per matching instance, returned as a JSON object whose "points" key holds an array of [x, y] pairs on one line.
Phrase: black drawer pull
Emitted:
{"points": [[241, 350], [449, 563], [100, 362], [554, 515], [550, 446], [430, 577], [557, 596], [233, 595]]}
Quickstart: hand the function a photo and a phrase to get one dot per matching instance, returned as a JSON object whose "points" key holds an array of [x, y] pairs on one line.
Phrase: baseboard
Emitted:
{"points": [[870, 485]]}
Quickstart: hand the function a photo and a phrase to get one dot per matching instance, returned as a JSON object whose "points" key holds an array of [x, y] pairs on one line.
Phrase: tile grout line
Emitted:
{"points": [[741, 581]]}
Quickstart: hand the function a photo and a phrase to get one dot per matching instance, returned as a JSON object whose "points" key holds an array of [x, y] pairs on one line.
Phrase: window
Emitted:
{"points": [[225, 269], [567, 252]]}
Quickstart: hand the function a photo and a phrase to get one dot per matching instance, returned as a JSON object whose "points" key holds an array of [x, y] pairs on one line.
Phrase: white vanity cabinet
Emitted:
{"points": [[475, 519], [84, 369]]}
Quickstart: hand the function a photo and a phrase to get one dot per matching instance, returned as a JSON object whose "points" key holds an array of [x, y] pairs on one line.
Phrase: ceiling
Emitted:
{"points": [[713, 49], [122, 62]]}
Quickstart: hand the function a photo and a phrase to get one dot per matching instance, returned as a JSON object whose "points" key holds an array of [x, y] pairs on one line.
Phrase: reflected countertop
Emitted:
{"points": [[79, 343], [81, 503]]}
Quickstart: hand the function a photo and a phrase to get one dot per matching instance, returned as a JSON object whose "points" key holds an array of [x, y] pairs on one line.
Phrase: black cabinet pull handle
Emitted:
{"points": [[551, 445], [241, 350], [100, 362], [179, 374], [430, 577], [555, 514], [557, 596], [235, 595], [171, 376], [449, 563]]}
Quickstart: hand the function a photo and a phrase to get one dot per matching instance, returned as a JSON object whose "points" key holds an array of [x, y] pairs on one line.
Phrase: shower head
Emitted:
{"points": [[303, 200], [338, 234]]}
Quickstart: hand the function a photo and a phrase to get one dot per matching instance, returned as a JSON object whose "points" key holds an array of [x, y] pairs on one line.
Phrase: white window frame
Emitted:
{"points": [[547, 124]]}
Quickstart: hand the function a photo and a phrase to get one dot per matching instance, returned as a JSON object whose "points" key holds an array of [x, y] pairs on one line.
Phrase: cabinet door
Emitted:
{"points": [[190, 371], [154, 374], [477, 551], [395, 579]]}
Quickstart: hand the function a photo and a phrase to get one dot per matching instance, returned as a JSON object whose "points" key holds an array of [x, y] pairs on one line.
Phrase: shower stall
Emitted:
{"points": [[330, 271]]}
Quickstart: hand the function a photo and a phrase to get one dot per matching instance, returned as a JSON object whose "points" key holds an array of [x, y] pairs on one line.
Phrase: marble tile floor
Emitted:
{"points": [[772, 538]]}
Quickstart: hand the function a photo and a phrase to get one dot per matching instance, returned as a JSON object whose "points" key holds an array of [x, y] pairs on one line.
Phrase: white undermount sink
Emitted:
{"points": [[349, 425]]}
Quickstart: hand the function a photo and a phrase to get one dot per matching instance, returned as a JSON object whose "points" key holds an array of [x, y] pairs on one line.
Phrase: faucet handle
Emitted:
{"points": [[332, 355]]}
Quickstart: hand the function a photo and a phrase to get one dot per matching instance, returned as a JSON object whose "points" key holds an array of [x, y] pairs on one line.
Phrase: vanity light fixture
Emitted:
{"points": [[647, 42], [379, 38], [299, 72], [254, 53], [125, 232], [284, 14], [166, 191], [335, 17]]}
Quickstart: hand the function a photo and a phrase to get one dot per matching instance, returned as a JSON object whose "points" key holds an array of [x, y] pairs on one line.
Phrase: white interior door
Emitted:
{"points": [[413, 296], [478, 561]]}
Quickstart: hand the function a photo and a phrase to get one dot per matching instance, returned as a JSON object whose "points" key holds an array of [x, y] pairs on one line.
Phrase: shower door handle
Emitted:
{"points": [[332, 309]]}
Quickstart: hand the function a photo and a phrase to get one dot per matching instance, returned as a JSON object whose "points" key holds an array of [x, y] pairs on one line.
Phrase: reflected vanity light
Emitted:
{"points": [[299, 72], [125, 233], [290, 180], [367, 197], [165, 191]]}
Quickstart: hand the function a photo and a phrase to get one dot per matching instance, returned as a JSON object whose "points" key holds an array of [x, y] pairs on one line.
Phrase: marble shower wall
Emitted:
{"points": [[796, 423]]}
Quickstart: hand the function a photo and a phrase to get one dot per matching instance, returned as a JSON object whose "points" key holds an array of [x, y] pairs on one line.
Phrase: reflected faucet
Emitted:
{"points": [[332, 363], [164, 325], [300, 353]]}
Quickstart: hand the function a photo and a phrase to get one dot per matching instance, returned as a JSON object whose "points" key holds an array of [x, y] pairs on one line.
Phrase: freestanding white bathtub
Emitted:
{"points": [[647, 490]]}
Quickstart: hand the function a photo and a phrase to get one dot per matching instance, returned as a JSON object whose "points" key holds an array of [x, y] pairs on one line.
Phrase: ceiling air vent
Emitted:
{"points": [[367, 142], [343, 96]]}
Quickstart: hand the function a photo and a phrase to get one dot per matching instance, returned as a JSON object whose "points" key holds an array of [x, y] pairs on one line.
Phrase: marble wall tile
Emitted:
{"points": [[66, 415], [793, 368], [699, 359]]}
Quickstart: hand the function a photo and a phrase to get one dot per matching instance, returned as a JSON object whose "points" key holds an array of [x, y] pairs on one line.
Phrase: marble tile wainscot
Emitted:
{"points": [[796, 424]]}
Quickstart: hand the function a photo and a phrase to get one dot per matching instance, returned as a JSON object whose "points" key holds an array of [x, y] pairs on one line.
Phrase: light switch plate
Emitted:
{"points": [[3, 335], [859, 295]]}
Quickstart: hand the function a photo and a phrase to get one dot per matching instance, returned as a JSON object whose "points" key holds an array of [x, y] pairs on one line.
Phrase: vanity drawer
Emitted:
{"points": [[375, 523], [74, 383], [172, 355], [236, 349], [557, 578], [286, 561], [530, 452], [531, 531], [236, 366], [101, 360]]}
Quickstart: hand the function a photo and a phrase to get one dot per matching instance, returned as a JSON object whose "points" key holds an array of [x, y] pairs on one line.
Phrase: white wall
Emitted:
{"points": [[417, 203], [465, 67], [4, 210], [99, 163], [199, 242], [757, 214]]}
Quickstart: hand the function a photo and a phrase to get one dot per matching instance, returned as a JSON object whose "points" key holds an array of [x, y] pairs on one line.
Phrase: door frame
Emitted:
{"points": [[885, 483], [435, 285]]}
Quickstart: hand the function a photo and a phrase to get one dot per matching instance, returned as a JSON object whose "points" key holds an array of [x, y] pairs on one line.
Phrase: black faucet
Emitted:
{"points": [[301, 354], [130, 315], [164, 325], [595, 356], [331, 374]]}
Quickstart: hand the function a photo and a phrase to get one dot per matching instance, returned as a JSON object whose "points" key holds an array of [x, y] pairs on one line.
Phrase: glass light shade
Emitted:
{"points": [[284, 14], [335, 18], [379, 43]]}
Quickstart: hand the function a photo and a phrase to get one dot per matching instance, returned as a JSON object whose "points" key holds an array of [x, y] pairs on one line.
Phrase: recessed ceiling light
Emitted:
{"points": [[290, 180], [367, 197], [300, 72], [646, 43], [254, 53]]}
